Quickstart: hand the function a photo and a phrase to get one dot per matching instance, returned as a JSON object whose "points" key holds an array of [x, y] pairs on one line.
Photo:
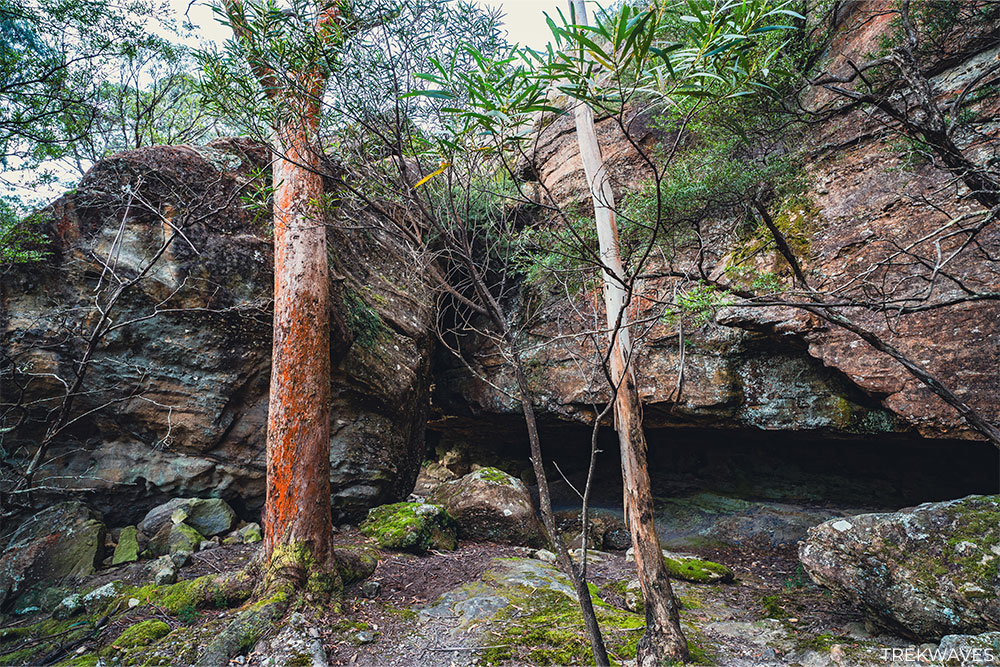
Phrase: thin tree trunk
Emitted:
{"points": [[298, 527], [664, 639], [545, 502], [494, 311]]}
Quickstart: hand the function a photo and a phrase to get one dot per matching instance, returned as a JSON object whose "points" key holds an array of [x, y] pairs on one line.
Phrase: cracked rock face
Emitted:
{"points": [[925, 572], [62, 541], [174, 399]]}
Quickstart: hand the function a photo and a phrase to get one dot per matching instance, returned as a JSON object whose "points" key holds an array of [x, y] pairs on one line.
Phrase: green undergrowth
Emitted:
{"points": [[29, 644], [797, 220]]}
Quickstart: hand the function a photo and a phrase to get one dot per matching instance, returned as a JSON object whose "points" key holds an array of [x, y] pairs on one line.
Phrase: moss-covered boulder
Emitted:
{"points": [[415, 527], [697, 570], [208, 591], [175, 537], [209, 516], [64, 540], [356, 563], [127, 549], [492, 506], [924, 572]]}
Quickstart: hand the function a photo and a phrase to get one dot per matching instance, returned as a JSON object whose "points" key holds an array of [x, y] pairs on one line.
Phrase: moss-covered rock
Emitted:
{"points": [[127, 549], [356, 563], [175, 537], [490, 505], [193, 593], [251, 533], [542, 623], [415, 527], [697, 570], [924, 572], [99, 598], [64, 540]]}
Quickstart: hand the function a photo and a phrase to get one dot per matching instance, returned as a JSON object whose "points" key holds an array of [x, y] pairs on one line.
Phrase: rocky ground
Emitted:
{"points": [[464, 583], [486, 604]]}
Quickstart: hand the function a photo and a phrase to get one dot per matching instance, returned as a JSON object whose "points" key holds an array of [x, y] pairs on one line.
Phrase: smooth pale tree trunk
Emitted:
{"points": [[663, 639], [298, 526]]}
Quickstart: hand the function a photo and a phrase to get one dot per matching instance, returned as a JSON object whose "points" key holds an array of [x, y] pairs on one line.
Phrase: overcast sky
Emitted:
{"points": [[524, 19]]}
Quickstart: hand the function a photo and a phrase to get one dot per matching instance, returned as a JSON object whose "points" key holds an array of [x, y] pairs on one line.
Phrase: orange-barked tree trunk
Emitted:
{"points": [[297, 524], [663, 639], [297, 519]]}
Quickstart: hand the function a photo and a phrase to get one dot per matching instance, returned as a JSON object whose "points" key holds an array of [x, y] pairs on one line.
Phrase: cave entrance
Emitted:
{"points": [[739, 486]]}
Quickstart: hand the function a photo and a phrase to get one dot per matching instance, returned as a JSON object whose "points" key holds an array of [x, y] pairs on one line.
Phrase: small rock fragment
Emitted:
{"points": [[70, 606], [371, 589], [99, 596], [633, 597], [180, 558], [250, 533], [167, 575], [544, 555]]}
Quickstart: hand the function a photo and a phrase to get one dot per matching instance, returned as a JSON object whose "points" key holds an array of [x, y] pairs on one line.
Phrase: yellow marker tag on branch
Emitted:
{"points": [[432, 175]]}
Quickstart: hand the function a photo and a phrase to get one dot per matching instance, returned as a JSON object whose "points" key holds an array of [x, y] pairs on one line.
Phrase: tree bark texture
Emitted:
{"points": [[297, 508]]}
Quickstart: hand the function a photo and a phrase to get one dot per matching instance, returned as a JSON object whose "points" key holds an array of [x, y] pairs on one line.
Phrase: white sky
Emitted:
{"points": [[524, 20]]}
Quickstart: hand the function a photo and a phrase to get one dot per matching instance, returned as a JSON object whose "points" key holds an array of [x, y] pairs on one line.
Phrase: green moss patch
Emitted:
{"points": [[416, 527], [141, 634], [28, 645], [186, 596], [494, 475], [698, 571], [543, 625]]}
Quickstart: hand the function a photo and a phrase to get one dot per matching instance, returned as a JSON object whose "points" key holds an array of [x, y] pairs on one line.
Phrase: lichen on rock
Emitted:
{"points": [[924, 572]]}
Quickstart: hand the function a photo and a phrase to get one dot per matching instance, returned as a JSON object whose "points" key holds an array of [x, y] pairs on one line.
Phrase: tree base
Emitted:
{"points": [[656, 651]]}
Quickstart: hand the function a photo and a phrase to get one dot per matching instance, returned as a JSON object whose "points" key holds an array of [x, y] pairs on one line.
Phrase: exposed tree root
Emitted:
{"points": [[291, 578]]}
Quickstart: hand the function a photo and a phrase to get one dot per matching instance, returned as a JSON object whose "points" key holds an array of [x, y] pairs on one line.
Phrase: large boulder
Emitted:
{"points": [[490, 505], [209, 516], [64, 540], [924, 572], [198, 343]]}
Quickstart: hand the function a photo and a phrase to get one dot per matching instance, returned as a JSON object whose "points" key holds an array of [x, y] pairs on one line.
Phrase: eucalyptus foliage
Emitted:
{"points": [[366, 113], [665, 51]]}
